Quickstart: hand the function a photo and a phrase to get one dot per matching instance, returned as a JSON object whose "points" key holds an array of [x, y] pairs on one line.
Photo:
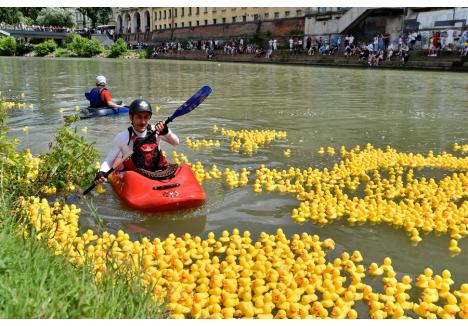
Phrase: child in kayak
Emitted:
{"points": [[99, 96], [147, 154]]}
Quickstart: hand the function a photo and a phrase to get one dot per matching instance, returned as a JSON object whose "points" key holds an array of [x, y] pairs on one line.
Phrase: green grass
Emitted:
{"points": [[34, 283]]}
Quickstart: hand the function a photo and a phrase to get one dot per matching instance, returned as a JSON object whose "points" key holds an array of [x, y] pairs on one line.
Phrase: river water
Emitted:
{"points": [[411, 111]]}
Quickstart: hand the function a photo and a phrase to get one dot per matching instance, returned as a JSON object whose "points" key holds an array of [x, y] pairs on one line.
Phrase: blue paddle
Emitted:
{"points": [[185, 108]]}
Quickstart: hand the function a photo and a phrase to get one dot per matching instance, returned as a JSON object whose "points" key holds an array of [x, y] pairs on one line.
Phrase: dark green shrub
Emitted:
{"points": [[118, 48], [23, 48], [46, 47], [7, 45]]}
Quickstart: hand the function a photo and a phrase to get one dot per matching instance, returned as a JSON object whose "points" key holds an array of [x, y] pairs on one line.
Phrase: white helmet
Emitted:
{"points": [[100, 80]]}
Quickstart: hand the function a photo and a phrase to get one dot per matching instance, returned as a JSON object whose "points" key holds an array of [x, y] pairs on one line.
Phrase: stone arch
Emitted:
{"points": [[136, 23], [119, 26], [126, 24], [146, 21]]}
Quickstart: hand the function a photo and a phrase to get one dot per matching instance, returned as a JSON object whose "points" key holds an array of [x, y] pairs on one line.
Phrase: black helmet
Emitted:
{"points": [[140, 106]]}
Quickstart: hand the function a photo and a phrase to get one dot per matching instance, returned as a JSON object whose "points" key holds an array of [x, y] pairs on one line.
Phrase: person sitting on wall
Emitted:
{"points": [[210, 53]]}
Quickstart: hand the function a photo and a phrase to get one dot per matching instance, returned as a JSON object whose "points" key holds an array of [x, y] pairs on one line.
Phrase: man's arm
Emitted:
{"points": [[107, 98]]}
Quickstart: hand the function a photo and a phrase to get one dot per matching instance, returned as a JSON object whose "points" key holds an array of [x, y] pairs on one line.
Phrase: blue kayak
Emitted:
{"points": [[87, 113]]}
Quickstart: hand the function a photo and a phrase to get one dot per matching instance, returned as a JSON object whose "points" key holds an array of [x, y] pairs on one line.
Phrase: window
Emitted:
{"points": [[175, 25], [206, 21], [182, 24], [165, 26], [286, 14], [255, 17], [198, 11], [214, 21], [175, 12], [224, 20], [165, 14], [182, 13], [190, 11], [160, 26], [190, 24], [159, 15], [198, 23], [244, 18], [266, 15], [233, 19], [276, 14], [299, 12], [170, 13], [206, 10], [214, 9], [170, 25]]}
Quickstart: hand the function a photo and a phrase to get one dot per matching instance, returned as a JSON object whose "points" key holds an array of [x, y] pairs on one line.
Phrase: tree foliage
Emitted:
{"points": [[53, 16], [31, 12], [10, 15], [97, 15]]}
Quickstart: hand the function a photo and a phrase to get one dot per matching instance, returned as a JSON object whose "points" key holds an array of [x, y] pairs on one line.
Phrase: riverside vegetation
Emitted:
{"points": [[233, 275], [74, 46]]}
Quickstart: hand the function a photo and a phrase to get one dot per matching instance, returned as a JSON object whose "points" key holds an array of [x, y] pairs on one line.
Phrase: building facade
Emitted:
{"points": [[137, 20]]}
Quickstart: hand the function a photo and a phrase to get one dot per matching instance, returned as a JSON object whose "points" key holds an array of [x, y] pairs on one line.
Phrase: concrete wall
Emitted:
{"points": [[315, 26], [456, 17]]}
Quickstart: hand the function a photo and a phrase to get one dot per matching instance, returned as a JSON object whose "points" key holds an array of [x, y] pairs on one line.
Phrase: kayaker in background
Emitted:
{"points": [[147, 153], [99, 96]]}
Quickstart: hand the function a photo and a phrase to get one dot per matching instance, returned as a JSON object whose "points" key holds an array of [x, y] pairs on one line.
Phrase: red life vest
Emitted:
{"points": [[146, 153]]}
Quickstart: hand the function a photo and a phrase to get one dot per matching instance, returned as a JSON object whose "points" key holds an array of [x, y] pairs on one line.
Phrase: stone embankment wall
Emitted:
{"points": [[278, 29], [418, 60]]}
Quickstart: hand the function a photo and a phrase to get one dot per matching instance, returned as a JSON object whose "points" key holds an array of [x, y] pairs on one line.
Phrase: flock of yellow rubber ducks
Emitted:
{"points": [[367, 186], [233, 276]]}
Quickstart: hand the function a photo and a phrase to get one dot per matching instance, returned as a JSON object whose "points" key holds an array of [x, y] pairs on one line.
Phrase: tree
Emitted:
{"points": [[53, 16], [11, 16], [30, 12], [97, 15]]}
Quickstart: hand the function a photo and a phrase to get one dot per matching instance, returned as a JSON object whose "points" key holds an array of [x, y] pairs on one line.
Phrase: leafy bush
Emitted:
{"points": [[7, 45], [45, 48], [118, 48], [70, 161], [84, 47]]}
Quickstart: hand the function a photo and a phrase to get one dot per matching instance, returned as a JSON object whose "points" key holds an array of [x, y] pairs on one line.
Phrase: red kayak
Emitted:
{"points": [[144, 194]]}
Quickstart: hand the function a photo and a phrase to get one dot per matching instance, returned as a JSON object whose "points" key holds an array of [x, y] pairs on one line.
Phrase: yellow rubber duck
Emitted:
{"points": [[374, 269]]}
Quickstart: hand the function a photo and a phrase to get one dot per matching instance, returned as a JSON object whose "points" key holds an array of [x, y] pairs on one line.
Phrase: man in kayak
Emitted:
{"points": [[147, 154], [99, 96]]}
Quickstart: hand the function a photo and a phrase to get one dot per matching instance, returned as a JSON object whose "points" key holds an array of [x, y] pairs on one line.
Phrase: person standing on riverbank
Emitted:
{"points": [[100, 96]]}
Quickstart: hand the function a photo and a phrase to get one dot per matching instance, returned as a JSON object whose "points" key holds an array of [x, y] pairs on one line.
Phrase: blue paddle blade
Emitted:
{"points": [[191, 103]]}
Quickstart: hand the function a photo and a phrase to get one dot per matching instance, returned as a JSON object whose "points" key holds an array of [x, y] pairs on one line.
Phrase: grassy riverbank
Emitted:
{"points": [[34, 283]]}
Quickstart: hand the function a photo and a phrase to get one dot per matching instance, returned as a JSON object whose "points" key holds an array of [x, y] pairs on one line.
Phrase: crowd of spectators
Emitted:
{"points": [[36, 28], [372, 51]]}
